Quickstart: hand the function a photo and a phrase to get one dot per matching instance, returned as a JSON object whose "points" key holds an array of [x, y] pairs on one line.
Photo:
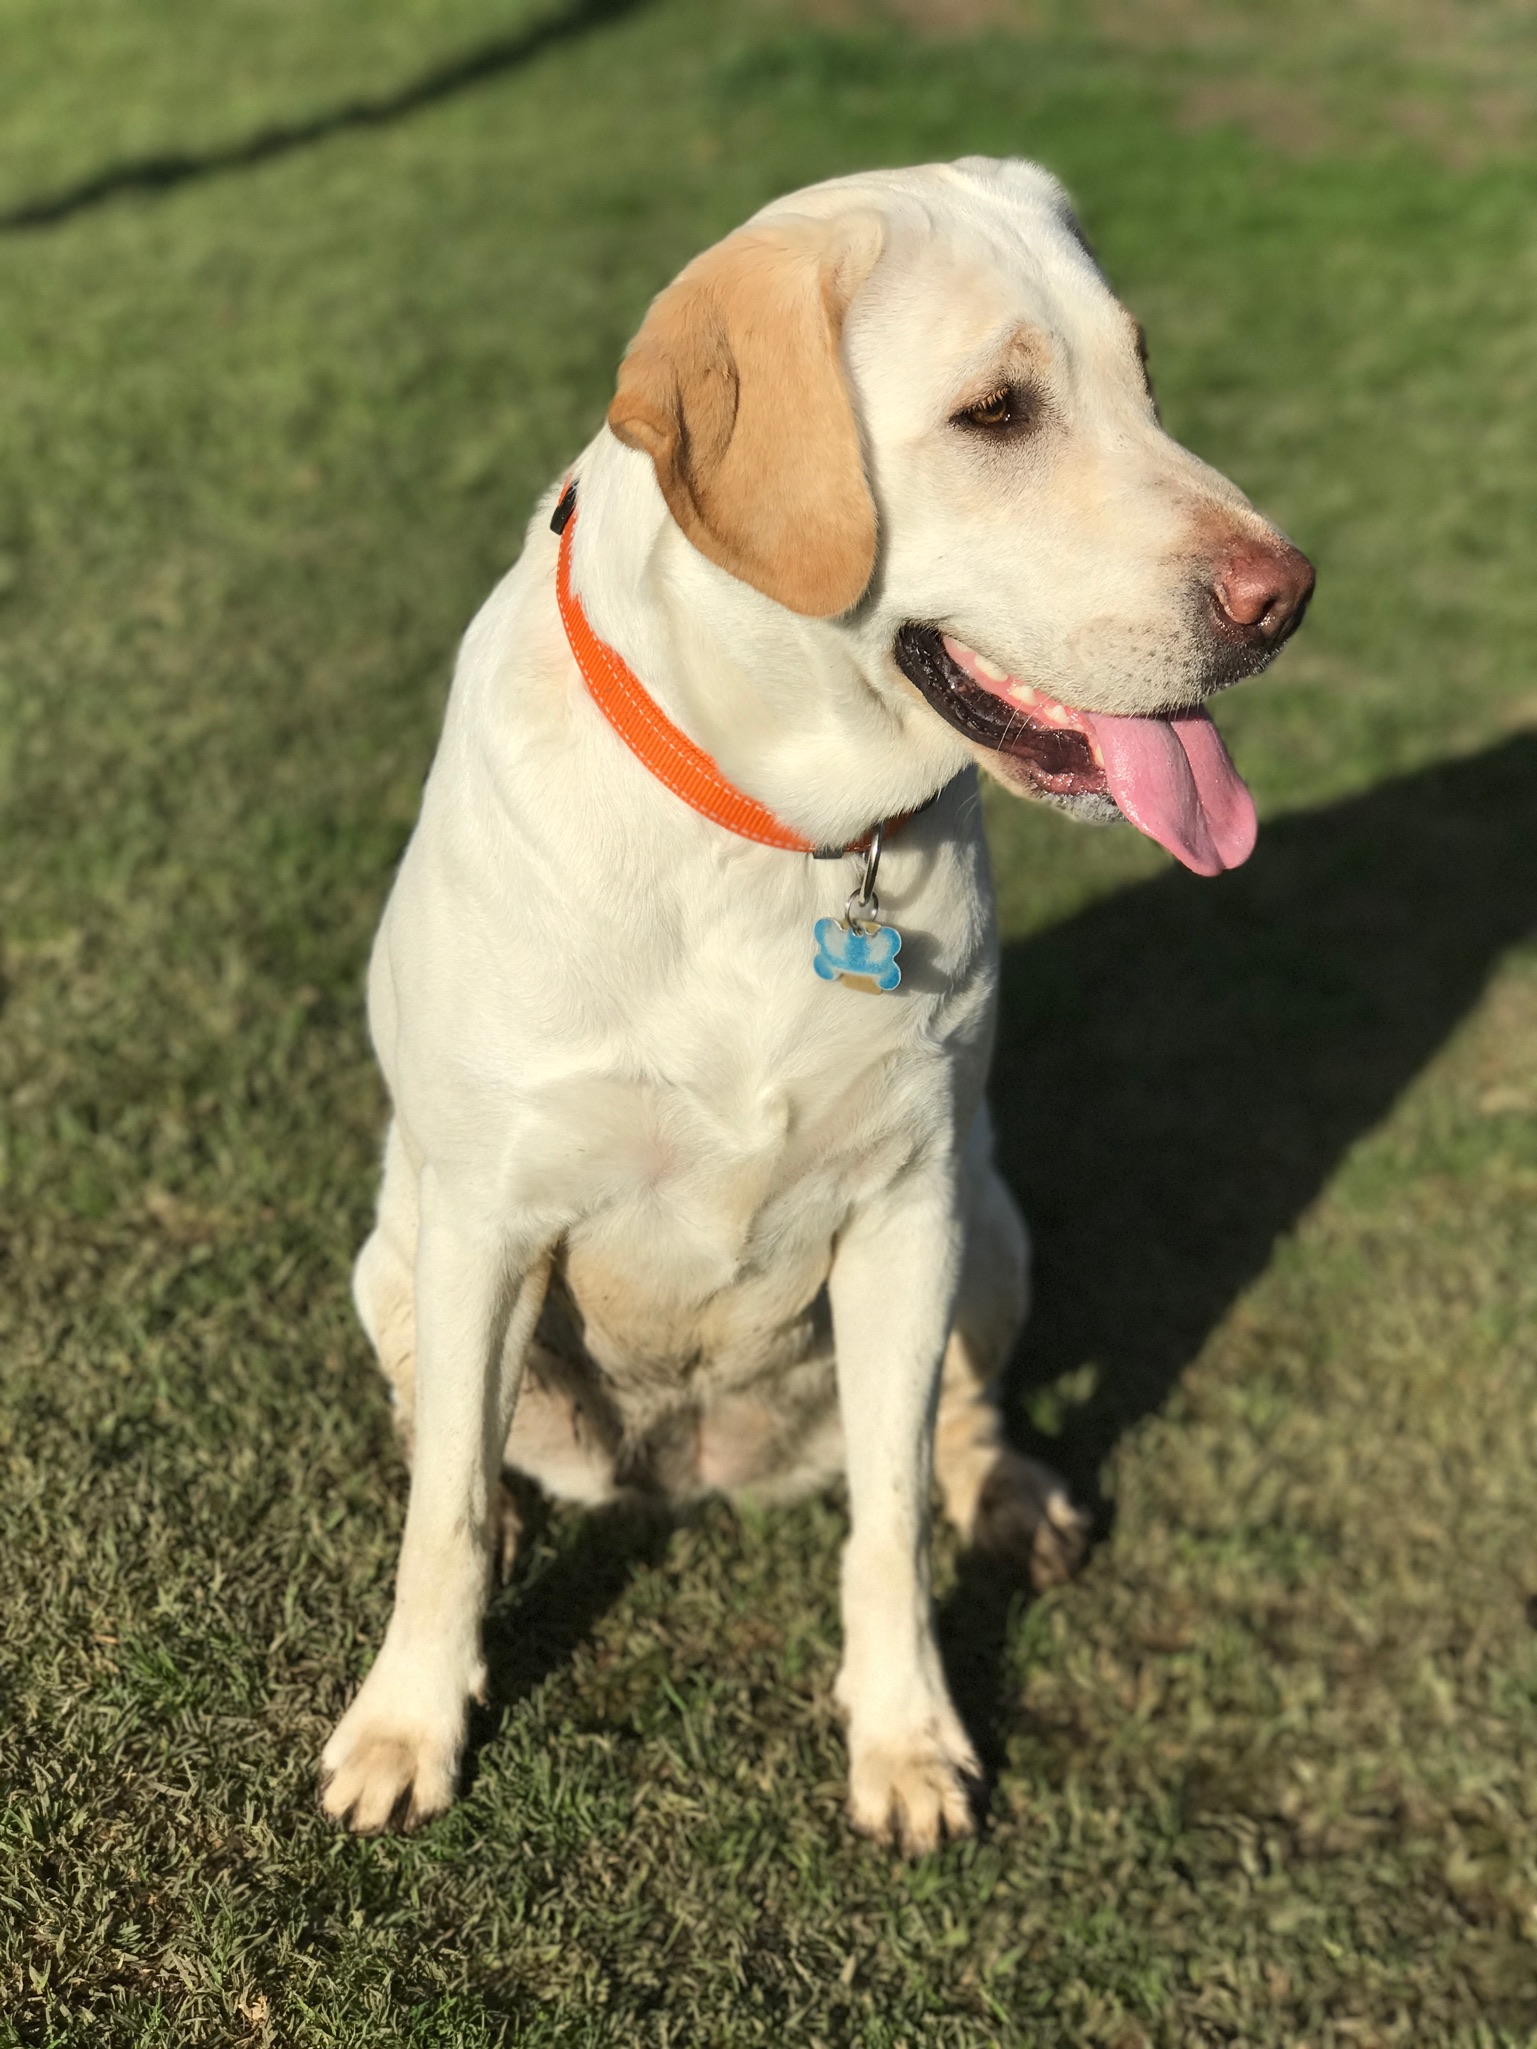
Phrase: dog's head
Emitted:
{"points": [[911, 402]]}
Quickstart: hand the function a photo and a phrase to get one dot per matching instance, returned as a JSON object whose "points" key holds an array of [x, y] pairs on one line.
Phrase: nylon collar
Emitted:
{"points": [[659, 745]]}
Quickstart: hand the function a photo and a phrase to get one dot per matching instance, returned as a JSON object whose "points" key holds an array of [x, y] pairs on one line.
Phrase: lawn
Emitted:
{"points": [[303, 304]]}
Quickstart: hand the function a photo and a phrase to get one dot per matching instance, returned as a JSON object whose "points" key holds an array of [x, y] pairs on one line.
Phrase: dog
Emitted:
{"points": [[685, 990]]}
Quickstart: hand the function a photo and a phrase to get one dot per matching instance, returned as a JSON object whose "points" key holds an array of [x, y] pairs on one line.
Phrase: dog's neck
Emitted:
{"points": [[793, 711]]}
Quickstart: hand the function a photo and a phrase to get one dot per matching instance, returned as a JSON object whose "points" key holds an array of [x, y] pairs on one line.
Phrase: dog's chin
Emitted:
{"points": [[1088, 807]]}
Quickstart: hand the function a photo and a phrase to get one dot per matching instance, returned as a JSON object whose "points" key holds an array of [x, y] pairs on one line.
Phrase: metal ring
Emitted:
{"points": [[866, 890]]}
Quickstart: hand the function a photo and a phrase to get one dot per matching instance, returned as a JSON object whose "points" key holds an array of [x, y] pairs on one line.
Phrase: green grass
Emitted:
{"points": [[1268, 1773]]}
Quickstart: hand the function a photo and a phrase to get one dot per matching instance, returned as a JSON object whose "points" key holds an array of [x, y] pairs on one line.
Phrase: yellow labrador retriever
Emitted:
{"points": [[685, 990]]}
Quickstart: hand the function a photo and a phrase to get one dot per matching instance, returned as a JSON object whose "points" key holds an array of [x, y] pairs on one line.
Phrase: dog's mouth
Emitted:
{"points": [[1171, 777]]}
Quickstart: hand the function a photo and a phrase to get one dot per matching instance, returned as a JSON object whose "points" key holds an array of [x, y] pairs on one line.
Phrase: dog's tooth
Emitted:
{"points": [[1022, 693], [989, 669]]}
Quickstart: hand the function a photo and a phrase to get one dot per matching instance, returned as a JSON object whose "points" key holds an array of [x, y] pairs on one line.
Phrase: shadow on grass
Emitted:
{"points": [[173, 167], [975, 1622], [534, 1632], [1180, 1070], [1183, 1066]]}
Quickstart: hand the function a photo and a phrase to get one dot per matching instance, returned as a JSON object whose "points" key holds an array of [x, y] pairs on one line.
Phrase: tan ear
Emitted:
{"points": [[734, 387]]}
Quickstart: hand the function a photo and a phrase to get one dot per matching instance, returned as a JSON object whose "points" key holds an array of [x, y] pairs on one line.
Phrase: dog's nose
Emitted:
{"points": [[1262, 588]]}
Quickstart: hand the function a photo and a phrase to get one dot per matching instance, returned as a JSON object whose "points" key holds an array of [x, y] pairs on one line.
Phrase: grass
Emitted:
{"points": [[1268, 1773]]}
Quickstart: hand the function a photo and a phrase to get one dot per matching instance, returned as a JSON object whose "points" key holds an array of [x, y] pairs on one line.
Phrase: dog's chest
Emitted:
{"points": [[721, 1204]]}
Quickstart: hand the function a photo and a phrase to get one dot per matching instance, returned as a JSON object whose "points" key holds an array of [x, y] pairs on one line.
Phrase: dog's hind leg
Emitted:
{"points": [[1001, 1502]]}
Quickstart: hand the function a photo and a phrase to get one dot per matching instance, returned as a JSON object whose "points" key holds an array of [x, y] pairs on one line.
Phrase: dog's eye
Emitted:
{"points": [[996, 410], [1011, 408]]}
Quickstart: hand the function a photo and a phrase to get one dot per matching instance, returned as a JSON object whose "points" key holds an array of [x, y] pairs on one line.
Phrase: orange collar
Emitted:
{"points": [[651, 736]]}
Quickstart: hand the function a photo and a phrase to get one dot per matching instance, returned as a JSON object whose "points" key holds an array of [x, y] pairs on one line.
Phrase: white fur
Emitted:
{"points": [[607, 1053]]}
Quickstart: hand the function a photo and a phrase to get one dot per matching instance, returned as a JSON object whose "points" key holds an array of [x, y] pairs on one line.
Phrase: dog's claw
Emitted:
{"points": [[386, 1781], [917, 1797], [393, 1759]]}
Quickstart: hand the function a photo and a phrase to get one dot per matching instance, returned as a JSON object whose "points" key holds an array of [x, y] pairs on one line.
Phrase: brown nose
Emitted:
{"points": [[1262, 588]]}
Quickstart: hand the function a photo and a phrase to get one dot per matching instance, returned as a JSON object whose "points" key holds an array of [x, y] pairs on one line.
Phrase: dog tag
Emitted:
{"points": [[859, 952]]}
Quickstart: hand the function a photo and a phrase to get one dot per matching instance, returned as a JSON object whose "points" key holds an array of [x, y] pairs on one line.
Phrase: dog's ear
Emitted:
{"points": [[734, 387]]}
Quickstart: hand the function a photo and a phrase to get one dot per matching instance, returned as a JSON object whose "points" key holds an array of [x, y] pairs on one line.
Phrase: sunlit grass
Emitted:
{"points": [[1266, 1774]]}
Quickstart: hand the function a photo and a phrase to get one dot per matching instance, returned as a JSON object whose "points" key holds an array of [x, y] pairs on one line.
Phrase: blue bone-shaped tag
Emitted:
{"points": [[863, 956]]}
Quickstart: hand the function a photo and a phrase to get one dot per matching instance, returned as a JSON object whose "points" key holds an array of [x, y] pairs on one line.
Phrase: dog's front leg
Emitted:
{"points": [[911, 1768], [395, 1753]]}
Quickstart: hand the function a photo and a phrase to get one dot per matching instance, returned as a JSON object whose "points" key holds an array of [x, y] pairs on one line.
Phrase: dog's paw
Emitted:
{"points": [[1025, 1517], [389, 1764], [914, 1795]]}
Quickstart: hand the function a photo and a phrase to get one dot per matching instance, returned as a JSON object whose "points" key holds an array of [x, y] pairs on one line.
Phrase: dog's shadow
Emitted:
{"points": [[1180, 1069], [557, 1596]]}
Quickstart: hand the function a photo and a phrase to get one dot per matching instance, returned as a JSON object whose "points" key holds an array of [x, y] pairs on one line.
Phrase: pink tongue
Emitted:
{"points": [[1175, 781]]}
